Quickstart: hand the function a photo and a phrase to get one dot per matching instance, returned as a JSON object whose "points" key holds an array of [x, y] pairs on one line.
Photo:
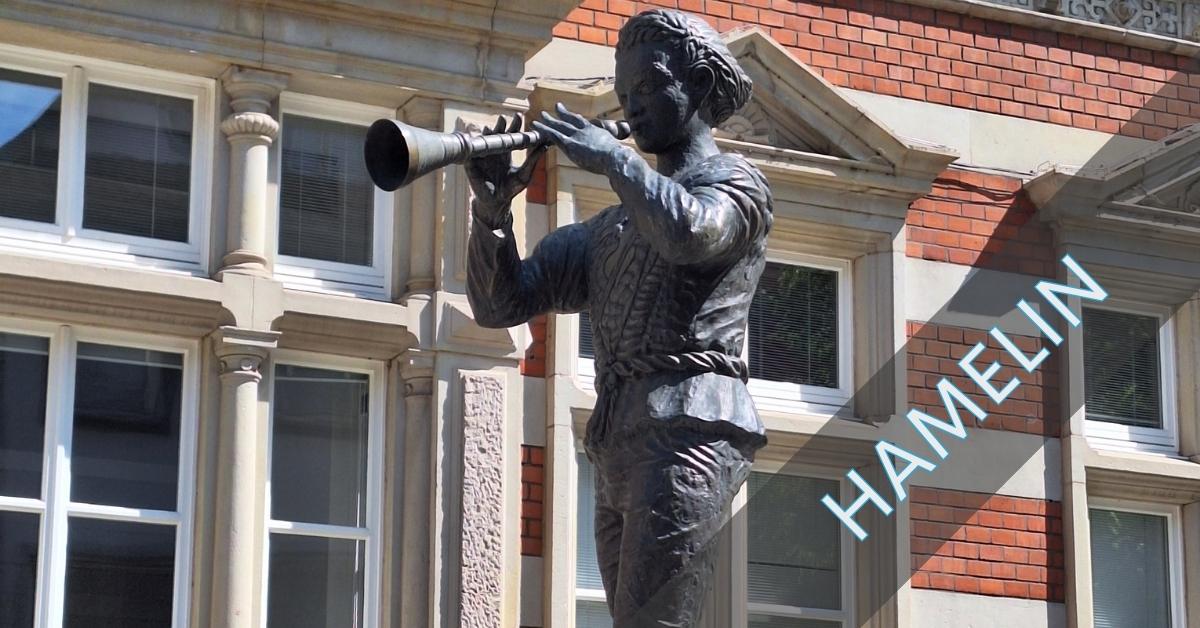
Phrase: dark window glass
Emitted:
{"points": [[1130, 570], [23, 366], [18, 568], [29, 120], [794, 549], [119, 574], [319, 446], [315, 582], [586, 349], [1120, 368], [125, 449], [326, 201], [793, 326], [139, 163]]}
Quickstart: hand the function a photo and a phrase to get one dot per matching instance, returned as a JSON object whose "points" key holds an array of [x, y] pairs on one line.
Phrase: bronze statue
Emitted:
{"points": [[667, 277]]}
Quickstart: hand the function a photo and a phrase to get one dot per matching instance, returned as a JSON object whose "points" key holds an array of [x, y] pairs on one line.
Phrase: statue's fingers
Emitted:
{"points": [[525, 174], [562, 127], [515, 127], [571, 117], [551, 134], [501, 124]]}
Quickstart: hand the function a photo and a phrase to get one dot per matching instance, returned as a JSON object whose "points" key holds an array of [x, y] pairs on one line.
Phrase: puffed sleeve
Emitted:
{"points": [[718, 210], [505, 290]]}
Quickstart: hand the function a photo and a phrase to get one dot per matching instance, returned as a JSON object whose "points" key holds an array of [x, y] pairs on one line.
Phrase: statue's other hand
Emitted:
{"points": [[493, 178], [589, 146]]}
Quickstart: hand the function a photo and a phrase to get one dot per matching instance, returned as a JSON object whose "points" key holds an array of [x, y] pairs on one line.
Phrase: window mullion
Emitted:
{"points": [[72, 146], [60, 403]]}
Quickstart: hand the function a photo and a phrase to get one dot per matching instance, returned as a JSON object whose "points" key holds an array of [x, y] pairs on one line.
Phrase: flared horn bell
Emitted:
{"points": [[397, 154]]}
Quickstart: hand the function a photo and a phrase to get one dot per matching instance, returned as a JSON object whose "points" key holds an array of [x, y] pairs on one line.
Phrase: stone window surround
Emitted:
{"points": [[372, 281], [1103, 434], [371, 534], [57, 507], [67, 238]]}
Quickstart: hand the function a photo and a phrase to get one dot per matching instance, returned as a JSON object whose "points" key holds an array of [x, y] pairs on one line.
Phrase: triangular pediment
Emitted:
{"points": [[1155, 189]]}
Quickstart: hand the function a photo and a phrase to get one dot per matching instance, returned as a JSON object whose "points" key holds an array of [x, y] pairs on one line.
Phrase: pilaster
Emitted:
{"points": [[237, 567], [250, 129], [416, 507]]}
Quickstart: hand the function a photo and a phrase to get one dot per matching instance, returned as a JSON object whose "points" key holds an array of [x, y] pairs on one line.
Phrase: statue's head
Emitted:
{"points": [[673, 68]]}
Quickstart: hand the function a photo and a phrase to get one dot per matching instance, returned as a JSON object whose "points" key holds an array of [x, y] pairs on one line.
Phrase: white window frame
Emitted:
{"points": [[320, 275], [1107, 435], [740, 558], [371, 536], [56, 507], [1175, 555], [66, 238], [785, 397]]}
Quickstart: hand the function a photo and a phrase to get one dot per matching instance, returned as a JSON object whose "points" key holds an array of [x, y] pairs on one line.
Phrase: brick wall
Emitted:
{"points": [[933, 353], [943, 57], [980, 220], [987, 544], [533, 484], [534, 362]]}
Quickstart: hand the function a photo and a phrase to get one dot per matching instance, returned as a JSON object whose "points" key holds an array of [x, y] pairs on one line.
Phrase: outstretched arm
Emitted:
{"points": [[505, 290]]}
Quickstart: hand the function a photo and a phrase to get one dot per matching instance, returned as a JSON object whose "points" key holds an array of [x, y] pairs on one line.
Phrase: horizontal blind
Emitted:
{"points": [[139, 163], [793, 548], [793, 326], [586, 348], [29, 125], [587, 568], [326, 205], [1130, 573], [1121, 368]]}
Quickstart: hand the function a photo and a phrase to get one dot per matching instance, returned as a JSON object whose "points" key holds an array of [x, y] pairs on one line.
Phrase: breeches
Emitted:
{"points": [[662, 495]]}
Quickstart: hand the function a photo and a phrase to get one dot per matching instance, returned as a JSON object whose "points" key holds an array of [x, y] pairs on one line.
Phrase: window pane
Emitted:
{"points": [[319, 446], [125, 449], [139, 163], [326, 206], [587, 568], [592, 615], [794, 549], [1120, 368], [315, 582], [18, 568], [29, 118], [23, 364], [768, 621], [119, 574], [1130, 575], [793, 326], [586, 350]]}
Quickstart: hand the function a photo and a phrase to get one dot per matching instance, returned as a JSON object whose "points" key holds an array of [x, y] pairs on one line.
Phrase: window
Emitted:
{"points": [[795, 572], [326, 439], [333, 224], [96, 453], [1128, 379], [797, 337], [795, 555], [1135, 566], [100, 160]]}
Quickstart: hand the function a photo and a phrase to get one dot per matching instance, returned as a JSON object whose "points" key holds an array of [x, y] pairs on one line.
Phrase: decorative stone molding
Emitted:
{"points": [[241, 352], [482, 557], [1169, 18], [416, 369], [256, 126]]}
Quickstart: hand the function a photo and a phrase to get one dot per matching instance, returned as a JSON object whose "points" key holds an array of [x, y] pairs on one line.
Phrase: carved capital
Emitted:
{"points": [[241, 352], [252, 124], [241, 366], [252, 90], [416, 369]]}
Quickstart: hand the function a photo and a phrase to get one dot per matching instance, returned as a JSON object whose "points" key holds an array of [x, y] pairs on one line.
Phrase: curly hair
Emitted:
{"points": [[702, 48]]}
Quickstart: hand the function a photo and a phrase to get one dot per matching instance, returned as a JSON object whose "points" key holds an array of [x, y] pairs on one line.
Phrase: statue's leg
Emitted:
{"points": [[679, 496], [609, 527]]}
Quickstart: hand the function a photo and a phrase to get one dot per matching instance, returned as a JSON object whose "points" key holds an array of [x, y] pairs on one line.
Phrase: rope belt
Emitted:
{"points": [[609, 374]]}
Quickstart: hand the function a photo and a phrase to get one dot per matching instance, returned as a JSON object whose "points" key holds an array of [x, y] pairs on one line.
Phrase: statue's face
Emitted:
{"points": [[651, 85]]}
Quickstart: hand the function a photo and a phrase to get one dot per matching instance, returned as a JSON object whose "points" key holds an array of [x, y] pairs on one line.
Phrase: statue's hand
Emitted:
{"points": [[495, 181], [587, 145]]}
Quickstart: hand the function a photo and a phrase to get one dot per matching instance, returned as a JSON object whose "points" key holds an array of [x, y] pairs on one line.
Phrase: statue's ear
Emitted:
{"points": [[700, 85]]}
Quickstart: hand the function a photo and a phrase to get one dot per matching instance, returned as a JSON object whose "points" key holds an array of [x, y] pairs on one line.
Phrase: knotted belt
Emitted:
{"points": [[610, 373]]}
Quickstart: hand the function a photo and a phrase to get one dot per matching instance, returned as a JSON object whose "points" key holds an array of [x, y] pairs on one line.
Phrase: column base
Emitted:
{"points": [[243, 262]]}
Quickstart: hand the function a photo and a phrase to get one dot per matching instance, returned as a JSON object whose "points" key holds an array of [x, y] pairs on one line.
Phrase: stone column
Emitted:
{"points": [[237, 553], [416, 573], [250, 130]]}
